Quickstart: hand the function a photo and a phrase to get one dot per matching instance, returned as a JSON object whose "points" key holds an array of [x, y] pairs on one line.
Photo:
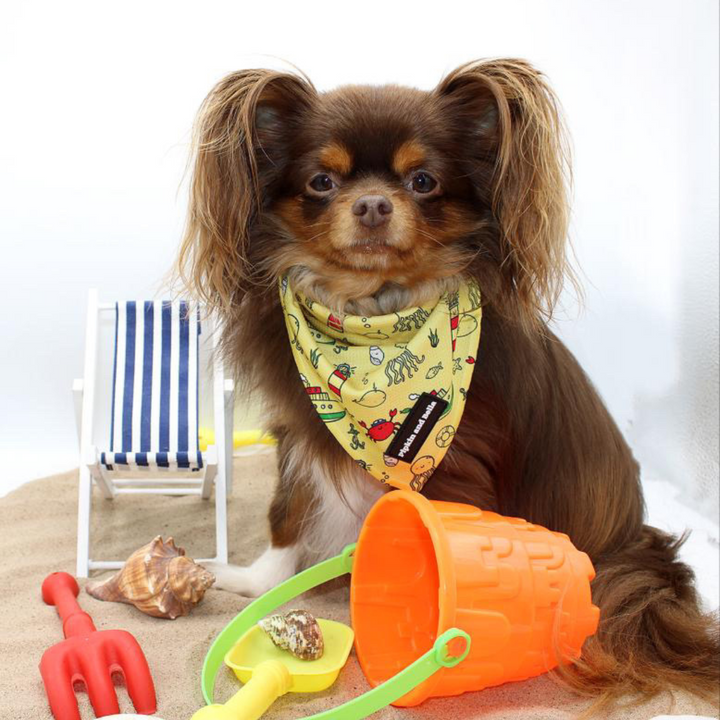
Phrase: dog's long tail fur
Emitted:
{"points": [[653, 636]]}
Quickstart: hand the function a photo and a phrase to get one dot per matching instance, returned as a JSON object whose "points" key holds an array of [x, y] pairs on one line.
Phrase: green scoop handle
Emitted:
{"points": [[379, 697]]}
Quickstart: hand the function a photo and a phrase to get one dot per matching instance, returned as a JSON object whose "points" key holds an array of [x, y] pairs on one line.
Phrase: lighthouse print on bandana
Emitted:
{"points": [[390, 388]]}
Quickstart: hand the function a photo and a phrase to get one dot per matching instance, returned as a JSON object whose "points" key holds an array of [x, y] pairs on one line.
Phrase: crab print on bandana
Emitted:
{"points": [[390, 388]]}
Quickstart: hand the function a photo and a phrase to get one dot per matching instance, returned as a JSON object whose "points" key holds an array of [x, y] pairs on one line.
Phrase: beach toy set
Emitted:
{"points": [[445, 598]]}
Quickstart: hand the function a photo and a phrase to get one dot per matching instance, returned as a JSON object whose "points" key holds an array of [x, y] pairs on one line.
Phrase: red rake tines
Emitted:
{"points": [[92, 656]]}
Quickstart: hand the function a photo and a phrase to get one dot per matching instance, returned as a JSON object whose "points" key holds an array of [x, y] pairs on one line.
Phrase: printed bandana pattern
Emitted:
{"points": [[391, 388]]}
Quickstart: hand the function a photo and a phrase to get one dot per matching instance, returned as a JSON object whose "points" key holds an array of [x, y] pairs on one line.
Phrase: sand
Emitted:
{"points": [[37, 536]]}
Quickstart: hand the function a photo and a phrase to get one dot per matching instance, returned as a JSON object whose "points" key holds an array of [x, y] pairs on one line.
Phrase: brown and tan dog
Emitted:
{"points": [[375, 199]]}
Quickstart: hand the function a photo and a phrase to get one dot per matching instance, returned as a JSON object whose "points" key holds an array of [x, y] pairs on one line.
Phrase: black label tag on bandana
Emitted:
{"points": [[417, 426]]}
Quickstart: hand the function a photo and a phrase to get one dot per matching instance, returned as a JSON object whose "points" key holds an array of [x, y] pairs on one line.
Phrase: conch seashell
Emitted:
{"points": [[297, 632], [158, 579]]}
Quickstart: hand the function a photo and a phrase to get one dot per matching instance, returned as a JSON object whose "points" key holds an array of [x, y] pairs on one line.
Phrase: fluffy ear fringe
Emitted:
{"points": [[531, 180], [227, 181]]}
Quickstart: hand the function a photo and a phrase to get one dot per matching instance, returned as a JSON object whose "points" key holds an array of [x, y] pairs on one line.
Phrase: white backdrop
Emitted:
{"points": [[97, 102]]}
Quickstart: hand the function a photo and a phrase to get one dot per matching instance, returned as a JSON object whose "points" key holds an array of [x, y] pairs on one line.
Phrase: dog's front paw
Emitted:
{"points": [[273, 567], [233, 579]]}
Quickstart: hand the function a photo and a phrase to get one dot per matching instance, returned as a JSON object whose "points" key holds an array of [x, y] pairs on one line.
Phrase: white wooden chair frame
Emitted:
{"points": [[217, 459]]}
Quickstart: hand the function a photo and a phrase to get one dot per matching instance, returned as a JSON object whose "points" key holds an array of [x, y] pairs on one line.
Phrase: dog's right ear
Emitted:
{"points": [[240, 143]]}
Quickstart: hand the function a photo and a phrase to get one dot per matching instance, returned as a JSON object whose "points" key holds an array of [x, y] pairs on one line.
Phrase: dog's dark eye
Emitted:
{"points": [[423, 183], [322, 183]]}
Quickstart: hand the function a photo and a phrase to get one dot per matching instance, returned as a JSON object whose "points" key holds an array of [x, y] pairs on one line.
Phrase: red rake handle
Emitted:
{"points": [[61, 589]]}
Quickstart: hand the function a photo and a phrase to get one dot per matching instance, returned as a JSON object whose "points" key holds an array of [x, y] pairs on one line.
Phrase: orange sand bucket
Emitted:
{"points": [[445, 598], [421, 567]]}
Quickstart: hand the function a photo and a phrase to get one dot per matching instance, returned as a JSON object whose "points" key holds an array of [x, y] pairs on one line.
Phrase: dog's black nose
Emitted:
{"points": [[372, 210]]}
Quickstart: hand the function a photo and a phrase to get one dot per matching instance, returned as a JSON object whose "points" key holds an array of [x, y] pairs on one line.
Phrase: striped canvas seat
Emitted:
{"points": [[154, 421]]}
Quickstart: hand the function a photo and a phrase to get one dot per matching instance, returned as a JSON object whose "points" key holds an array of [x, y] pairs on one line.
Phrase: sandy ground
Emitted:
{"points": [[38, 531]]}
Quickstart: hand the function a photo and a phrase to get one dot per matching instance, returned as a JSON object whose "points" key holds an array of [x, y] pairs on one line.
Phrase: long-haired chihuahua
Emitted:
{"points": [[371, 200]]}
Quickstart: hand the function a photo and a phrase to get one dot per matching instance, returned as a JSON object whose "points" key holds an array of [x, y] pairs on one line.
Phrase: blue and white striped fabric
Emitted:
{"points": [[155, 388]]}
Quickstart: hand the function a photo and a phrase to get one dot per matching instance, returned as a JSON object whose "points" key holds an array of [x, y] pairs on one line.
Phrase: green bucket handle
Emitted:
{"points": [[426, 665]]}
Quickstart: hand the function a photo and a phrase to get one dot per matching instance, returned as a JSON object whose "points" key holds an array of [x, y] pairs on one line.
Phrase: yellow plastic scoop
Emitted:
{"points": [[269, 672]]}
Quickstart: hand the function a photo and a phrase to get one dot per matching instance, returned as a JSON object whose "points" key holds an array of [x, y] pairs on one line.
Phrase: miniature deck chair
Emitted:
{"points": [[154, 416]]}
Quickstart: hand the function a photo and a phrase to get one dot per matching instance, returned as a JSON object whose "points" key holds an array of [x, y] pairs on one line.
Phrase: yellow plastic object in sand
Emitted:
{"points": [[241, 438], [269, 672]]}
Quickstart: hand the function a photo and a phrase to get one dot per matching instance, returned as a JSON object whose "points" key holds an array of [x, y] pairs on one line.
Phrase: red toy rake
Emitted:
{"points": [[92, 656]]}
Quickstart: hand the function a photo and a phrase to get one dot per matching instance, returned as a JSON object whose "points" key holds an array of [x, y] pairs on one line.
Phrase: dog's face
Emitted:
{"points": [[369, 188], [375, 189]]}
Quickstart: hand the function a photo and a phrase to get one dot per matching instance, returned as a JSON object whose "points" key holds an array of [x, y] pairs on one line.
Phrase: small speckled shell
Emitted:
{"points": [[297, 632], [157, 579]]}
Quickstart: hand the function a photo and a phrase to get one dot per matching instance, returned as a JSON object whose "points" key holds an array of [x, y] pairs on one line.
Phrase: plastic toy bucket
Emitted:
{"points": [[445, 598], [420, 567]]}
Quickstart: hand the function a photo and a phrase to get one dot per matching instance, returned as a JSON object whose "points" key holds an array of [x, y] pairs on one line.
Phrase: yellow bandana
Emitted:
{"points": [[390, 388]]}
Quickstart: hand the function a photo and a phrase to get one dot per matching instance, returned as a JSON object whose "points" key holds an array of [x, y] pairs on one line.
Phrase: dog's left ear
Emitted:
{"points": [[507, 119]]}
